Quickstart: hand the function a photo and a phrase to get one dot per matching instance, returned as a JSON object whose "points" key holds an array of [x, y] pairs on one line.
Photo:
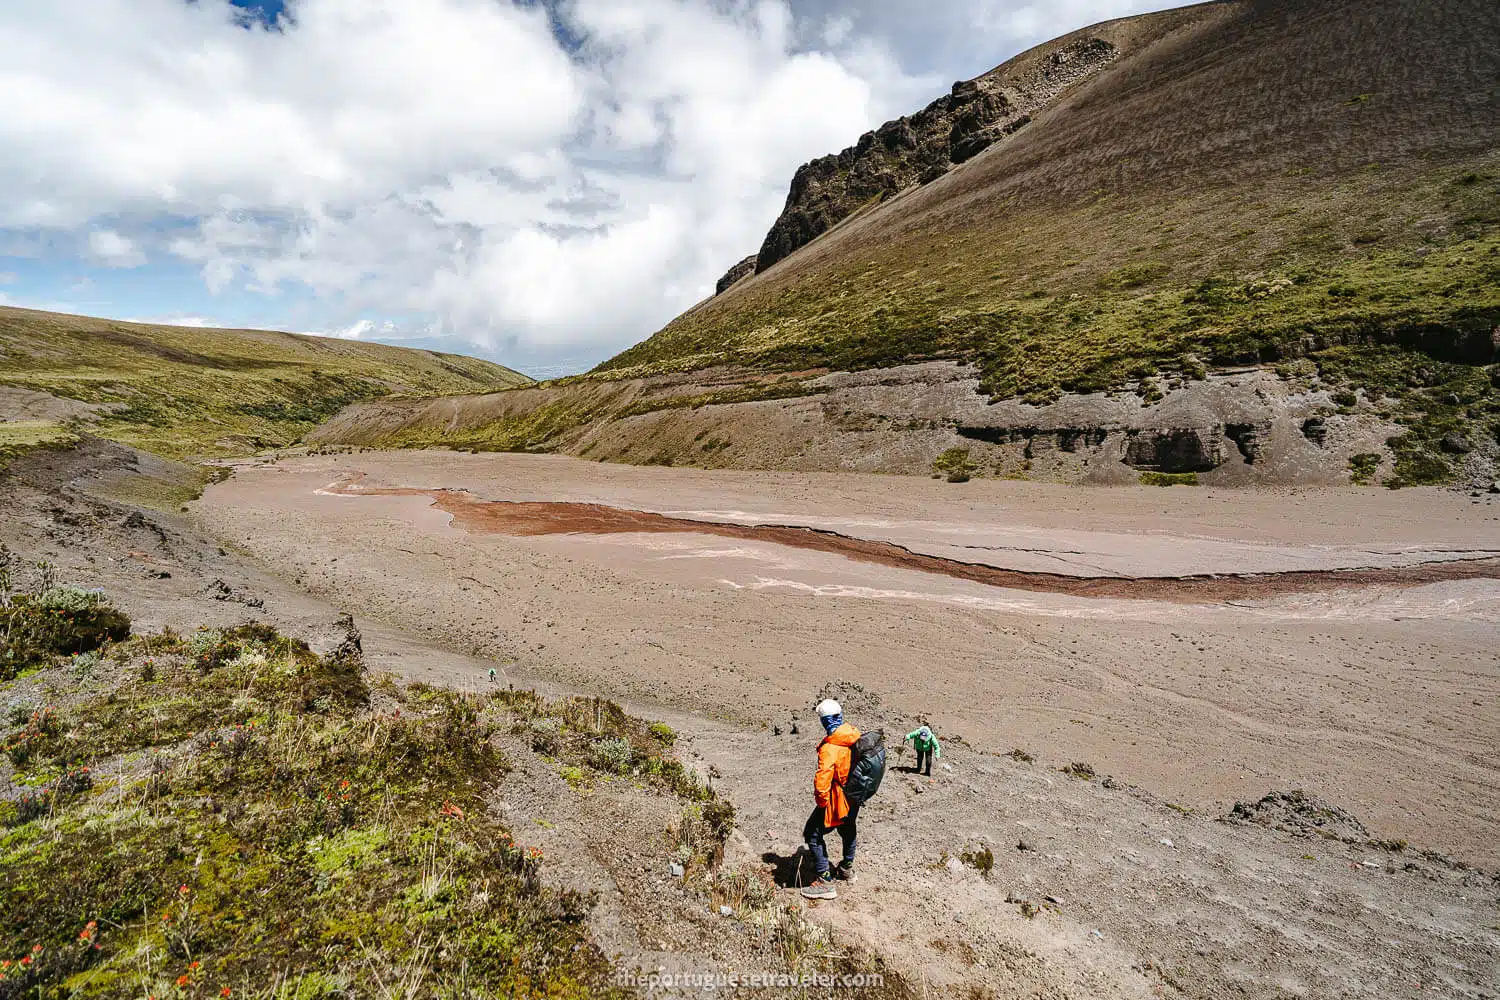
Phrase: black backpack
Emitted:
{"points": [[866, 767]]}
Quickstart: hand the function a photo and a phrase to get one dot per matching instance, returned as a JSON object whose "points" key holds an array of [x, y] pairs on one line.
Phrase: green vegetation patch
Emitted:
{"points": [[191, 393], [227, 813], [1169, 479], [38, 629], [1362, 468], [234, 816], [955, 464], [1447, 407], [19, 437]]}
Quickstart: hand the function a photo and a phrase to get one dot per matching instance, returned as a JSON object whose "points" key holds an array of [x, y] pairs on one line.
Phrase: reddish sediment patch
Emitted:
{"points": [[531, 518]]}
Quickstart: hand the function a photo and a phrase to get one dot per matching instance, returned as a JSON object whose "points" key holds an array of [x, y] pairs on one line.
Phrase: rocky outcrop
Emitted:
{"points": [[738, 272], [920, 148]]}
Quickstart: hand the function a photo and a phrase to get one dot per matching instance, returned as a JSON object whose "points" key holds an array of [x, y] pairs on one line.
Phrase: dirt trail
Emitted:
{"points": [[532, 518]]}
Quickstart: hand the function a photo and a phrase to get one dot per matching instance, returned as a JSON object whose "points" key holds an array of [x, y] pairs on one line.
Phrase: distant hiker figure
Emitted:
{"points": [[927, 746], [850, 766], [492, 675]]}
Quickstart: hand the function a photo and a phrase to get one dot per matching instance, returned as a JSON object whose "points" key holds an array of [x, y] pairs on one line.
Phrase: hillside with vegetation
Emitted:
{"points": [[1239, 182], [1096, 235], [190, 393]]}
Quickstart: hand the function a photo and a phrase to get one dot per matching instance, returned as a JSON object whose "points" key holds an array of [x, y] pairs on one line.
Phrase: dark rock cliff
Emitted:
{"points": [[738, 272], [922, 147]]}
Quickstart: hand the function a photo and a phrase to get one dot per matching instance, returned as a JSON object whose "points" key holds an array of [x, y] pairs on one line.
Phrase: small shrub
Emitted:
{"points": [[981, 860], [1020, 755], [699, 836], [84, 664], [31, 806], [68, 599], [1079, 769], [59, 621], [611, 755], [40, 729], [955, 464], [1362, 468], [662, 732]]}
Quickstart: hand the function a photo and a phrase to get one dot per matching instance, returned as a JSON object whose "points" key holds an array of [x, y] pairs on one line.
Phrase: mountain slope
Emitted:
{"points": [[1319, 143], [185, 392], [1253, 240]]}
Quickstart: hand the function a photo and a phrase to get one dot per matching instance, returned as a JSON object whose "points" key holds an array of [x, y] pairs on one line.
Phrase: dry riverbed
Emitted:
{"points": [[1380, 694]]}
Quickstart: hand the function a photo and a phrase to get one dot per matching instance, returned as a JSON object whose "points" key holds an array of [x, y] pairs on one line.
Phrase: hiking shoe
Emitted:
{"points": [[844, 872], [821, 889]]}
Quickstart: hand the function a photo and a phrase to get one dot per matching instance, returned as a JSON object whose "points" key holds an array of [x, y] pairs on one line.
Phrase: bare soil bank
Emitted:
{"points": [[1379, 698]]}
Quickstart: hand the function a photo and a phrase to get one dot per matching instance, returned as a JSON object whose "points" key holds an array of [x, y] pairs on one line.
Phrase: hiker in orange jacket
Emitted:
{"points": [[833, 811]]}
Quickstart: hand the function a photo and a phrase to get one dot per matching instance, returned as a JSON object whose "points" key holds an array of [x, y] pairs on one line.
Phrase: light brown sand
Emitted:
{"points": [[1381, 699]]}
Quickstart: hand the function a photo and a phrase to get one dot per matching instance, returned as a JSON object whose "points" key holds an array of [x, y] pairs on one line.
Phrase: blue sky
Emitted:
{"points": [[540, 183]]}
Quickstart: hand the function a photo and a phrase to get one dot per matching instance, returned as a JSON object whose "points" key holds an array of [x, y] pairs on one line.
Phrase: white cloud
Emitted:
{"points": [[110, 249], [447, 162]]}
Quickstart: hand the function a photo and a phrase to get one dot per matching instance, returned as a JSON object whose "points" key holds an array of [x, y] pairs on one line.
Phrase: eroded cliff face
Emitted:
{"points": [[1244, 427], [919, 148]]}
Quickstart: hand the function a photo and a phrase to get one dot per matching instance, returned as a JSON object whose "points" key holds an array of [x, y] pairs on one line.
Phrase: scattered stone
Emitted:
{"points": [[675, 870], [1167, 842], [1022, 845], [1495, 487], [1457, 443], [1315, 429], [1300, 814], [726, 911], [954, 865], [947, 767]]}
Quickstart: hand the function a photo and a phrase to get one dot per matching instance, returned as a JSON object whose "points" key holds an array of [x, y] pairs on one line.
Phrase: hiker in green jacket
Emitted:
{"points": [[927, 747]]}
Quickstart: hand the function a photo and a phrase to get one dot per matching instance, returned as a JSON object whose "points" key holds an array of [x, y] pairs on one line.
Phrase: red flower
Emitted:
{"points": [[26, 960], [183, 890], [182, 980], [193, 966], [224, 992]]}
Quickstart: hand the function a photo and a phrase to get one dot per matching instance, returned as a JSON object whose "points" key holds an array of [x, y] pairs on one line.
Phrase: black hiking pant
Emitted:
{"points": [[815, 832], [924, 759]]}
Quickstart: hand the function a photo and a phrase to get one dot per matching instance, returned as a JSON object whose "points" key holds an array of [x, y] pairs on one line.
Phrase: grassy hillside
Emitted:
{"points": [[1253, 183], [185, 392]]}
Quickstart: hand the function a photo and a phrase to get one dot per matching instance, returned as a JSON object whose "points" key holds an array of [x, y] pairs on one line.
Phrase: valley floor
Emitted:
{"points": [[1384, 699], [1378, 697]]}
